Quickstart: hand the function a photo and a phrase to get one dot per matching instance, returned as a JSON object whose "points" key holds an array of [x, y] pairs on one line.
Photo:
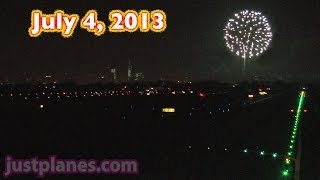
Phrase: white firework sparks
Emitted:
{"points": [[248, 34]]}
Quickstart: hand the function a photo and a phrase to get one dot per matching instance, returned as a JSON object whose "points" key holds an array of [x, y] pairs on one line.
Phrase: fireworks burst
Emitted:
{"points": [[248, 34]]}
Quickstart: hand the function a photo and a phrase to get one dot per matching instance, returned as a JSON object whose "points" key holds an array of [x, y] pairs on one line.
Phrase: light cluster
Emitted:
{"points": [[248, 34], [56, 91]]}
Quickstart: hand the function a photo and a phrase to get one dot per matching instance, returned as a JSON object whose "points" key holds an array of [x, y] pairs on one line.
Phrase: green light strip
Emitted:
{"points": [[292, 141]]}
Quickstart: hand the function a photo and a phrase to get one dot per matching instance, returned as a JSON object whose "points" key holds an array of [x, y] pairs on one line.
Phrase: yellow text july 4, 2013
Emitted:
{"points": [[119, 21]]}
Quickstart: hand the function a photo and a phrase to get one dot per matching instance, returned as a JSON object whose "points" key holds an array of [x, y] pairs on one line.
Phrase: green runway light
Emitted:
{"points": [[274, 155], [285, 173], [262, 153], [245, 151]]}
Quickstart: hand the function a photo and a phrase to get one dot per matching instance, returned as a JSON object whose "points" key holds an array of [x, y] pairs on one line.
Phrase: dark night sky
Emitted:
{"points": [[193, 42]]}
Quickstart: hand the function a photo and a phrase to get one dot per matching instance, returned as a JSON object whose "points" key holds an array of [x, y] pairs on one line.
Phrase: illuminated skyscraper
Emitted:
{"points": [[130, 70], [114, 73]]}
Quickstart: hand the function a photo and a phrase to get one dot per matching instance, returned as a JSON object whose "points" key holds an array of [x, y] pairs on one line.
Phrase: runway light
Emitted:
{"points": [[285, 173], [292, 110], [168, 110], [287, 160], [305, 111], [274, 155], [41, 106], [245, 151], [250, 96], [263, 93], [262, 153]]}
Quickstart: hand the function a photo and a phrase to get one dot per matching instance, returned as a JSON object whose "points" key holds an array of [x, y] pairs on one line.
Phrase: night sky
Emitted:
{"points": [[192, 43]]}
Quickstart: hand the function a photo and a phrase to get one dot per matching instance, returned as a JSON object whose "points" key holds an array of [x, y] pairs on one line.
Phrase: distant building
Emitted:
{"points": [[130, 69], [114, 74], [93, 78], [48, 79], [67, 77], [187, 77], [139, 77]]}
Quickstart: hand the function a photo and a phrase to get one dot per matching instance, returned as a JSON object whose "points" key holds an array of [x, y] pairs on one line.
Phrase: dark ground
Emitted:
{"points": [[135, 128]]}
